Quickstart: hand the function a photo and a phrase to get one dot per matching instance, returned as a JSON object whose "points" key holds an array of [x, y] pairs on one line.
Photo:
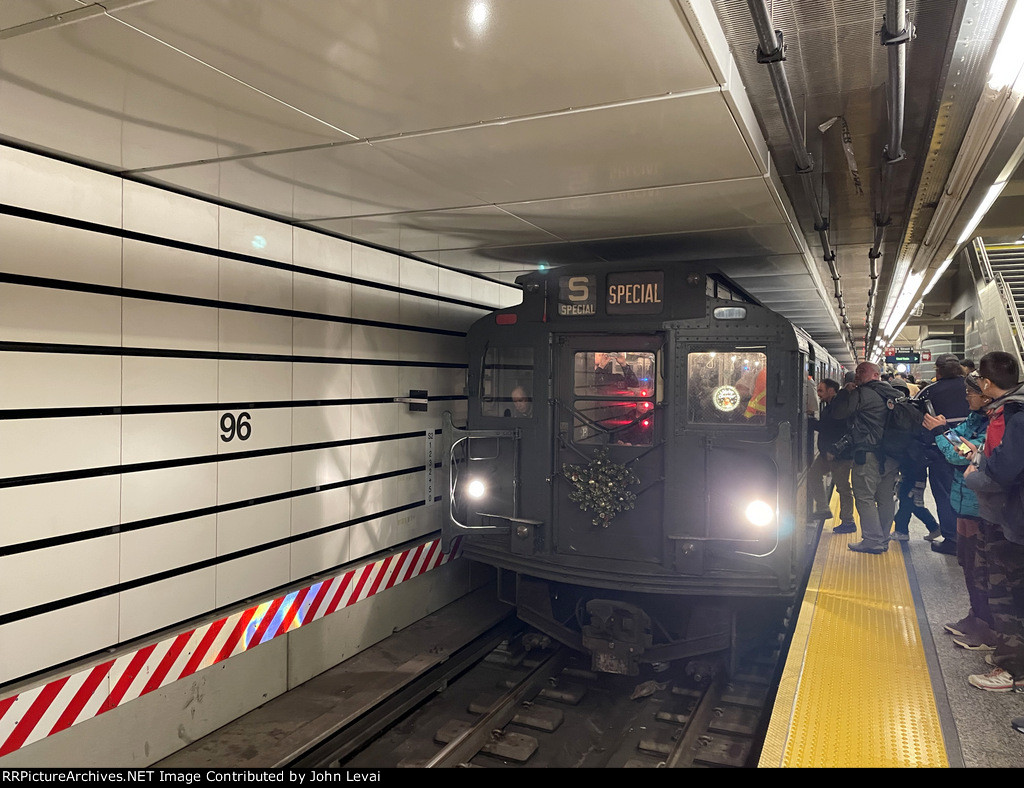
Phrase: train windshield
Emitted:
{"points": [[507, 385], [727, 387], [614, 398]]}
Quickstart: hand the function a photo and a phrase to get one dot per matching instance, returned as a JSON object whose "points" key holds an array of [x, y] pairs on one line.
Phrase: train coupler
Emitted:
{"points": [[617, 636]]}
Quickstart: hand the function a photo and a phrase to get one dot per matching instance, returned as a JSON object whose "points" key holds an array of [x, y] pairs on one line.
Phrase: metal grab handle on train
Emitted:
{"points": [[454, 436]]}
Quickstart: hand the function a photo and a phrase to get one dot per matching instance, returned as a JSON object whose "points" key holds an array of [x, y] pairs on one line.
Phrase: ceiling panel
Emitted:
{"points": [[389, 66], [579, 153], [425, 231], [100, 91], [20, 12], [736, 245], [689, 208], [348, 180]]}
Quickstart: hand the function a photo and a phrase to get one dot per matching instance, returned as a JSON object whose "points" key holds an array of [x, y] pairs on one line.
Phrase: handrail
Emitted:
{"points": [[986, 264], [1011, 306]]}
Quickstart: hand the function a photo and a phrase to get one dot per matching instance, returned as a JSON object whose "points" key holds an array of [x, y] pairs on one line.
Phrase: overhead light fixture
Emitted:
{"points": [[990, 197], [1009, 56], [903, 302], [938, 273]]}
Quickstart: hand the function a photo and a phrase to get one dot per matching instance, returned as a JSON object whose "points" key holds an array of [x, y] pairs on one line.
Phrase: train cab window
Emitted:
{"points": [[614, 398], [727, 387], [507, 386]]}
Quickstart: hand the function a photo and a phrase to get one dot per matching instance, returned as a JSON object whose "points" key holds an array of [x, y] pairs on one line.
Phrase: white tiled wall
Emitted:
{"points": [[70, 445]]}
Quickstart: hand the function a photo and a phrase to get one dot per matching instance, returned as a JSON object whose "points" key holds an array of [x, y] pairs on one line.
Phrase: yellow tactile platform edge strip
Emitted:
{"points": [[855, 691]]}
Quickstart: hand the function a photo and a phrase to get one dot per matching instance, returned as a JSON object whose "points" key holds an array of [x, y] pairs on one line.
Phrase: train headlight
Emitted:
{"points": [[476, 489], [759, 513]]}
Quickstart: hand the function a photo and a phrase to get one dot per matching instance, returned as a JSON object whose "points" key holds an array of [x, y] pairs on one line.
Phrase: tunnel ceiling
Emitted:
{"points": [[497, 136]]}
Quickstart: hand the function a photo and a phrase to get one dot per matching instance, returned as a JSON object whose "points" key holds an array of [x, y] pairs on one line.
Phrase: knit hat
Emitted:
{"points": [[972, 382]]}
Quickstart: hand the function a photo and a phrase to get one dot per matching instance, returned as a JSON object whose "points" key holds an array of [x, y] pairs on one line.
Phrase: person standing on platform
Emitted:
{"points": [[912, 385], [974, 631], [910, 495], [874, 474], [830, 431], [898, 383], [948, 396], [996, 474]]}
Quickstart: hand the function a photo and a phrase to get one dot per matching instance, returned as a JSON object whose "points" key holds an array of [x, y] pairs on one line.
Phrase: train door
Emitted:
{"points": [[609, 448], [723, 486]]}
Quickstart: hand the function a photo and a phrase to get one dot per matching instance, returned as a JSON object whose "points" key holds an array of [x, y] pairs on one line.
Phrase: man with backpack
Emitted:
{"points": [[874, 473]]}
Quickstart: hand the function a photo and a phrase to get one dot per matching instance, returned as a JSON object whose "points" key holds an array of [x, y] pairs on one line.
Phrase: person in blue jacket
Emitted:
{"points": [[975, 630]]}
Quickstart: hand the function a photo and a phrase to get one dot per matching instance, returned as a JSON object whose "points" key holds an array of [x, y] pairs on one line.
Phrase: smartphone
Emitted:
{"points": [[963, 448], [929, 407]]}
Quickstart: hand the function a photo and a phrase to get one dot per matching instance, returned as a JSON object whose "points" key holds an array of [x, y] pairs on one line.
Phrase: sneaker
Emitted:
{"points": [[973, 643], [867, 547], [962, 628], [945, 547], [996, 680], [932, 536], [1017, 723], [845, 528], [990, 660], [900, 537]]}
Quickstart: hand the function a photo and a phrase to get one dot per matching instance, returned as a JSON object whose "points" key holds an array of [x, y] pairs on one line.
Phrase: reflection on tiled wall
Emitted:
{"points": [[199, 399]]}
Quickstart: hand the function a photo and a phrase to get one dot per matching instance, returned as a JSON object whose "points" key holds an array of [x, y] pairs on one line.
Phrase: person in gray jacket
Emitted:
{"points": [[874, 474]]}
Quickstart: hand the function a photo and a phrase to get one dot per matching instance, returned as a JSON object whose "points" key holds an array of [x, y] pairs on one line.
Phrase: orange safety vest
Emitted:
{"points": [[757, 404]]}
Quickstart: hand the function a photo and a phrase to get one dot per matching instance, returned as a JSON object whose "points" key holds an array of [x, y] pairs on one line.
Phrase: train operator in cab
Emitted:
{"points": [[522, 403], [605, 374], [874, 475]]}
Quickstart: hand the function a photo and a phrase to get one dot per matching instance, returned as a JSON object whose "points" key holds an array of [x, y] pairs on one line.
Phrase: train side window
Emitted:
{"points": [[727, 387], [507, 389]]}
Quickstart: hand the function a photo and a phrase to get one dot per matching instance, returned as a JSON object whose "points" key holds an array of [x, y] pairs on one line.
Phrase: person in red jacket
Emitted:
{"points": [[995, 474]]}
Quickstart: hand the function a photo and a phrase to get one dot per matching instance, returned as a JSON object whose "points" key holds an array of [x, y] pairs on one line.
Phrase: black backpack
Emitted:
{"points": [[901, 439]]}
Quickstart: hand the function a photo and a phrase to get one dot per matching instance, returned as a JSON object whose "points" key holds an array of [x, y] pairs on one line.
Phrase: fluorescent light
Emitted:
{"points": [[939, 272], [990, 197], [903, 302], [1009, 57]]}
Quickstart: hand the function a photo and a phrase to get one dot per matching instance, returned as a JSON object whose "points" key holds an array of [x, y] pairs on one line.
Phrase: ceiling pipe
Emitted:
{"points": [[894, 36], [771, 52]]}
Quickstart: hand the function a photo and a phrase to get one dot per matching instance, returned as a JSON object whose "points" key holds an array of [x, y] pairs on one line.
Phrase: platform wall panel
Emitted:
{"points": [[197, 406]]}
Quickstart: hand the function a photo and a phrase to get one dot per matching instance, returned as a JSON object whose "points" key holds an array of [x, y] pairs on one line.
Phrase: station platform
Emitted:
{"points": [[873, 680]]}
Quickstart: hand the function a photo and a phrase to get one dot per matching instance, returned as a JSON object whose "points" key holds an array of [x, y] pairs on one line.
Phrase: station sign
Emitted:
{"points": [[903, 355]]}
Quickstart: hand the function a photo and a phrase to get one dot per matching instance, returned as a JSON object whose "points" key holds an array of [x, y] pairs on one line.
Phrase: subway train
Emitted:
{"points": [[634, 458]]}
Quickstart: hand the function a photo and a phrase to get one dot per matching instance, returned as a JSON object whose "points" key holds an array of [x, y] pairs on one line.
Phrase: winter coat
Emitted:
{"points": [[866, 412], [949, 398], [1001, 466], [963, 498]]}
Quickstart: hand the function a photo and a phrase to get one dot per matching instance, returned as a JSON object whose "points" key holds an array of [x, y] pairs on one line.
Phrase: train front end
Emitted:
{"points": [[630, 460]]}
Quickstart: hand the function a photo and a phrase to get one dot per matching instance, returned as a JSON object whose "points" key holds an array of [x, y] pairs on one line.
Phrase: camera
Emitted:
{"points": [[841, 446]]}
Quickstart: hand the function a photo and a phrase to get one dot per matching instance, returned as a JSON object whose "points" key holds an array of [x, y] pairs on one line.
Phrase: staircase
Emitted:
{"points": [[1003, 267]]}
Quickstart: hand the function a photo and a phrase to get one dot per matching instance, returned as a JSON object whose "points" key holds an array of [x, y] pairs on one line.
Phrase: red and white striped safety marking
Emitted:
{"points": [[60, 703]]}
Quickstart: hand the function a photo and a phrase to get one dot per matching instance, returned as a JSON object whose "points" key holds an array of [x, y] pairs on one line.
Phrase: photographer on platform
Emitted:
{"points": [[874, 474]]}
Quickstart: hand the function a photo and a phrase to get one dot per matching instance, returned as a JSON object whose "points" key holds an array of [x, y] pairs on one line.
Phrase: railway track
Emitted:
{"points": [[520, 706]]}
